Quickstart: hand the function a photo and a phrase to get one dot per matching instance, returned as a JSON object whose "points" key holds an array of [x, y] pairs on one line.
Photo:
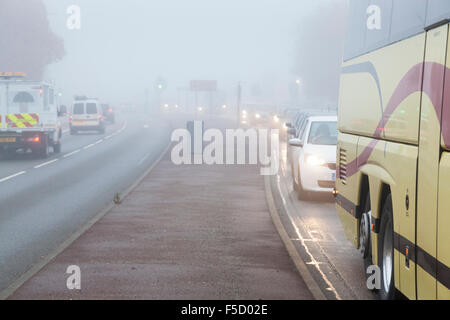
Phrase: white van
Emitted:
{"points": [[86, 115]]}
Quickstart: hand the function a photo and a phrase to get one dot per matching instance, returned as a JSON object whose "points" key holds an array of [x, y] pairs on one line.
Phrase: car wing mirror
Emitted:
{"points": [[288, 124], [296, 142]]}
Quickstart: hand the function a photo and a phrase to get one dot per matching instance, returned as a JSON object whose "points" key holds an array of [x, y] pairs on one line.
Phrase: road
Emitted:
{"points": [[42, 202]]}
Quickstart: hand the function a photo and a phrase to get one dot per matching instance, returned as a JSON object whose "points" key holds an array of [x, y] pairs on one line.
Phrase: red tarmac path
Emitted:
{"points": [[186, 232]]}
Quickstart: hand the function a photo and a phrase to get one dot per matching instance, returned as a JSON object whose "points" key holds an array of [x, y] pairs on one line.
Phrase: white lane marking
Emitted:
{"points": [[12, 176], [123, 127], [143, 159], [45, 163], [71, 154], [92, 144]]}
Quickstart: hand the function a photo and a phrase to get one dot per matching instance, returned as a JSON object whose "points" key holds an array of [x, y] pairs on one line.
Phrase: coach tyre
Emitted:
{"points": [[386, 252], [364, 235]]}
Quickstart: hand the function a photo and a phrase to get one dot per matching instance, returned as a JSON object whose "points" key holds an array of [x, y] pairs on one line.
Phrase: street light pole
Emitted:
{"points": [[238, 106]]}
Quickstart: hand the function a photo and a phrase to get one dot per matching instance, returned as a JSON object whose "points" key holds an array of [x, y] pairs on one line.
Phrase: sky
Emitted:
{"points": [[124, 45]]}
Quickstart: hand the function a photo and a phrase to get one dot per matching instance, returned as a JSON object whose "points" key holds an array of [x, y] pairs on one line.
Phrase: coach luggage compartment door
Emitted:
{"points": [[347, 183], [425, 252]]}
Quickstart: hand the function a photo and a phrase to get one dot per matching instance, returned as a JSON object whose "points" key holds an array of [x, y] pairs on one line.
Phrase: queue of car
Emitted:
{"points": [[30, 116], [259, 118]]}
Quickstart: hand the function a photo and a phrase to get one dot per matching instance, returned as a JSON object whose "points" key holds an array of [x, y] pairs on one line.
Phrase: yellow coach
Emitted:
{"points": [[393, 155]]}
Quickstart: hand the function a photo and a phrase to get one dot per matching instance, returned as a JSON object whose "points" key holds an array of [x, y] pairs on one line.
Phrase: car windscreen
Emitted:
{"points": [[78, 108], [91, 108], [323, 133]]}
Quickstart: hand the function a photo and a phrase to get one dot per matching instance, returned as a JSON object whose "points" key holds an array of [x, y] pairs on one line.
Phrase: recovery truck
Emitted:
{"points": [[28, 116]]}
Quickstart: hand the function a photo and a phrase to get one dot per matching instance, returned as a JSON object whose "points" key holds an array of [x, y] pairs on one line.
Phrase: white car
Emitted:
{"points": [[313, 156]]}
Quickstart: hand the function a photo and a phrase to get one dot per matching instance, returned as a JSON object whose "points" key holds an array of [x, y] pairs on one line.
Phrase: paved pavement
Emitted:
{"points": [[186, 232]]}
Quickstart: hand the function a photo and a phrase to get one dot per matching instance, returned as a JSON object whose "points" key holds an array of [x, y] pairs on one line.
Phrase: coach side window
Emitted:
{"points": [[437, 10], [408, 18], [356, 28], [377, 34]]}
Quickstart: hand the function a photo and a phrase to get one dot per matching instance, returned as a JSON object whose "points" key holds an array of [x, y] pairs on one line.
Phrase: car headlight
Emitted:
{"points": [[257, 116], [314, 160], [276, 119]]}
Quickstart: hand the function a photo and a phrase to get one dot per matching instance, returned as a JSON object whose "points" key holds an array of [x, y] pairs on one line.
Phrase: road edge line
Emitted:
{"points": [[300, 265], [4, 294]]}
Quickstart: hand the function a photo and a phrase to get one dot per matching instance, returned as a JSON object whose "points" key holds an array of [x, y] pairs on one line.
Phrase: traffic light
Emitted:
{"points": [[160, 84]]}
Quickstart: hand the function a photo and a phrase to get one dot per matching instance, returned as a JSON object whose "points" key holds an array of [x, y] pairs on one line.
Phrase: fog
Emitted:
{"points": [[123, 46]]}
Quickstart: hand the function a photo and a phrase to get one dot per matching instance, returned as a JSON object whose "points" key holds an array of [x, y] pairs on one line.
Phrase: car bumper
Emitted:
{"points": [[86, 126], [317, 178]]}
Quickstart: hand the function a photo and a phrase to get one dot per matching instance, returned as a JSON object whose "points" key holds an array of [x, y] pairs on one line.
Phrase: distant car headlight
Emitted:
{"points": [[257, 116], [314, 160], [244, 116], [276, 119]]}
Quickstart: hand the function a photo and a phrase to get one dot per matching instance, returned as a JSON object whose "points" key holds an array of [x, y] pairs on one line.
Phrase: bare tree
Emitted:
{"points": [[26, 42]]}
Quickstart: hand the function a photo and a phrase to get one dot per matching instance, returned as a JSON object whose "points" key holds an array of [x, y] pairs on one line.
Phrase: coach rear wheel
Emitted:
{"points": [[364, 231], [386, 252], [365, 245]]}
